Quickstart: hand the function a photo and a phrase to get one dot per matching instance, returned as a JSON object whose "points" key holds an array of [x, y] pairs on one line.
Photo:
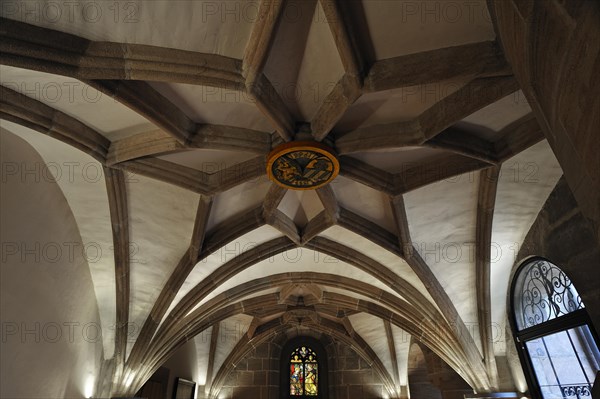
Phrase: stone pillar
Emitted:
{"points": [[553, 47], [450, 384], [403, 392], [429, 376]]}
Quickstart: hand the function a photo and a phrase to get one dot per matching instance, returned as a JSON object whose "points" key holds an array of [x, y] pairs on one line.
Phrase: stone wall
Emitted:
{"points": [[258, 375], [51, 344], [553, 47], [418, 377], [351, 376]]}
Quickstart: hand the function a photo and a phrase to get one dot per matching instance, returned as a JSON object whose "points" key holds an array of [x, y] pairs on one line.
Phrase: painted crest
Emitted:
{"points": [[302, 165]]}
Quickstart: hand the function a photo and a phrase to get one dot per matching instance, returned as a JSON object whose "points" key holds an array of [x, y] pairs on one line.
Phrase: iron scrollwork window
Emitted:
{"points": [[556, 342], [545, 294]]}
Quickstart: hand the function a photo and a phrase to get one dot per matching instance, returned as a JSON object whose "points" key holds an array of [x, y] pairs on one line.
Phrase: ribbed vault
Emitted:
{"points": [[435, 142]]}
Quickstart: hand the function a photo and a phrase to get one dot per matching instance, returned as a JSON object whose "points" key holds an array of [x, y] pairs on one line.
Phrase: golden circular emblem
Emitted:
{"points": [[302, 165]]}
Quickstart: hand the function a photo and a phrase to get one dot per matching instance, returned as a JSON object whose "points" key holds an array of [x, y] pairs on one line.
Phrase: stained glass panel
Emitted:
{"points": [[311, 379], [296, 379], [303, 372]]}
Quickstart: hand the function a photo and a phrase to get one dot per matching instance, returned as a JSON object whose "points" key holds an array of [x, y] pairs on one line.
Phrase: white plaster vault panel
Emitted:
{"points": [[302, 260], [161, 220], [371, 329], [500, 114], [305, 77], [351, 294], [374, 251], [525, 182], [220, 290], [223, 28], [402, 343], [400, 159], [202, 341], [396, 105], [238, 199], [215, 105], [81, 179], [231, 330], [400, 28], [231, 250], [364, 201], [321, 66], [97, 110], [209, 161], [301, 206], [442, 218]]}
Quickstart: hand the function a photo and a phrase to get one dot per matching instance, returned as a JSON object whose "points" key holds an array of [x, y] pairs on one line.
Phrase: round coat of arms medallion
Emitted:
{"points": [[302, 165]]}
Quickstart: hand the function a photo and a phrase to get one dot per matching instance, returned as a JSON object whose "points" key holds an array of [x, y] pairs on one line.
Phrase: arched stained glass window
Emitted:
{"points": [[304, 372], [557, 344], [303, 369]]}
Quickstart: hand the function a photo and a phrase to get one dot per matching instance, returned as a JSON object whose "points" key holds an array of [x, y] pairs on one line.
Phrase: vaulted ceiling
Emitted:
{"points": [[443, 171]]}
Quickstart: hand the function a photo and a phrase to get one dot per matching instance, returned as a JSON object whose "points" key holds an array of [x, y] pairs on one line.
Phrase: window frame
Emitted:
{"points": [[570, 320]]}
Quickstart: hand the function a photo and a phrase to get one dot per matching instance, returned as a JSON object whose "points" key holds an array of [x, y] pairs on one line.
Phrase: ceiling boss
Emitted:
{"points": [[302, 165]]}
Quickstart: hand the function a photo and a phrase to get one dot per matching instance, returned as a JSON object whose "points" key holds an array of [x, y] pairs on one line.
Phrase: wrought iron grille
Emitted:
{"points": [[546, 293], [572, 391], [576, 391]]}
